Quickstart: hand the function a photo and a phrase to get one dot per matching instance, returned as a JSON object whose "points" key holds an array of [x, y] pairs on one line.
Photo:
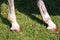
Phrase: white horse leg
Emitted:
{"points": [[45, 16], [12, 16]]}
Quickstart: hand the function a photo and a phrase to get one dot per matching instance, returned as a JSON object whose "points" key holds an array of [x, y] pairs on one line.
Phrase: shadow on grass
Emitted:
{"points": [[53, 7], [4, 20], [29, 7]]}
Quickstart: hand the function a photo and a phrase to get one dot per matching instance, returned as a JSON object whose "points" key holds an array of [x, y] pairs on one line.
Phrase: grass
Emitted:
{"points": [[30, 21]]}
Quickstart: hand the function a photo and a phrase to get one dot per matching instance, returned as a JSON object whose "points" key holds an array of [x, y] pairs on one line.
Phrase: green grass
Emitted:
{"points": [[30, 21]]}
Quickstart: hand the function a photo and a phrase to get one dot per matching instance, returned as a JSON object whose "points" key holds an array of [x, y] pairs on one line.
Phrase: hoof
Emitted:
{"points": [[54, 30], [16, 30]]}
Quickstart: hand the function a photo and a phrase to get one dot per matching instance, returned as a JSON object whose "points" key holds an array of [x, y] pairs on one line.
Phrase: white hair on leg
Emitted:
{"points": [[46, 16], [12, 16]]}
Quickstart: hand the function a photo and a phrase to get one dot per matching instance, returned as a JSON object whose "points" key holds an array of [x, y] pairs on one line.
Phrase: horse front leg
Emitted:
{"points": [[12, 16], [45, 16]]}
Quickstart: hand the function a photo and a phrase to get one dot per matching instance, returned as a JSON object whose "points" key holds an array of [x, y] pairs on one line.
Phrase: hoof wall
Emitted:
{"points": [[16, 30], [54, 30]]}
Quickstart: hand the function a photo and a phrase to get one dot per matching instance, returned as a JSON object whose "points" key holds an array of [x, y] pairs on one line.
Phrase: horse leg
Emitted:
{"points": [[45, 16], [12, 16]]}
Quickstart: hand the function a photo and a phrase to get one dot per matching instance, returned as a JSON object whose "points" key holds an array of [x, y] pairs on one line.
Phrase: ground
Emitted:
{"points": [[30, 21]]}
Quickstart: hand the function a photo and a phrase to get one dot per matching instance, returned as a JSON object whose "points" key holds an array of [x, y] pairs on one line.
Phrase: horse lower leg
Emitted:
{"points": [[12, 16], [46, 16]]}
